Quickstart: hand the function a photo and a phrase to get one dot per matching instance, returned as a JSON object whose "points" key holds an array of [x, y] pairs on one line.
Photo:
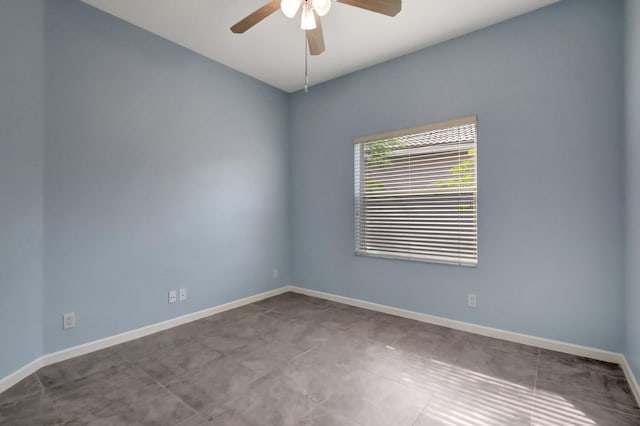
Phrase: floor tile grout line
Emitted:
{"points": [[401, 383], [176, 396], [403, 335], [93, 412], [140, 369], [85, 377], [422, 410], [303, 353], [55, 407], [535, 385], [431, 397], [28, 394], [35, 374]]}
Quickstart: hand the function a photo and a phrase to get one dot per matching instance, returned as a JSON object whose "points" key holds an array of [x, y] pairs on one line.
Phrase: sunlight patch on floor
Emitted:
{"points": [[463, 397]]}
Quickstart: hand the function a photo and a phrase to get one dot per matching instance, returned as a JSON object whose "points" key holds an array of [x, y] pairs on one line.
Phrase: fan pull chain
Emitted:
{"points": [[306, 63]]}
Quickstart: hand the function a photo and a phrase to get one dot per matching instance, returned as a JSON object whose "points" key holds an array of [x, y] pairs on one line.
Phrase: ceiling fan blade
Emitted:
{"points": [[315, 38], [256, 17], [385, 7]]}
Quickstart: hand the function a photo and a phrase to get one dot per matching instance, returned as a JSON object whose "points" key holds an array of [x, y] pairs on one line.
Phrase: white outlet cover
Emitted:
{"points": [[172, 296], [472, 300], [183, 294], [69, 320]]}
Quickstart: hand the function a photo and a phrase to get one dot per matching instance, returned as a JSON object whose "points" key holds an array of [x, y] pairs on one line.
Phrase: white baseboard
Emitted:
{"points": [[554, 345], [21, 373], [631, 378], [96, 345], [52, 358]]}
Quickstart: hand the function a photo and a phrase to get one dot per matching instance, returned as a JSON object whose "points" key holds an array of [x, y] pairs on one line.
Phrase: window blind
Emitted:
{"points": [[416, 193]]}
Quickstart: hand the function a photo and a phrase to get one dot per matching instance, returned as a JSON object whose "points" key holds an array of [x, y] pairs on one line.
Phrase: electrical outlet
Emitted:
{"points": [[472, 300], [275, 273], [69, 320], [172, 296], [183, 294]]}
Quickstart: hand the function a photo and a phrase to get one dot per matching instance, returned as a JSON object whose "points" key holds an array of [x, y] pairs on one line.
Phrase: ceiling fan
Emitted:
{"points": [[312, 10]]}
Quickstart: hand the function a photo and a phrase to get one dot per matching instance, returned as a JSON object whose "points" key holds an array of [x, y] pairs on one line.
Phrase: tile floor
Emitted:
{"points": [[297, 360]]}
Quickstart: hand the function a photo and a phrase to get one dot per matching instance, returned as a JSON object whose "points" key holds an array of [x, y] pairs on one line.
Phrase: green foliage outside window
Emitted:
{"points": [[462, 176], [462, 173], [377, 154]]}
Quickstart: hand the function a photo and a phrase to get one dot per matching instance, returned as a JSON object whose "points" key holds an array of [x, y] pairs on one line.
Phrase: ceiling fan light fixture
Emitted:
{"points": [[322, 7], [290, 7], [308, 21]]}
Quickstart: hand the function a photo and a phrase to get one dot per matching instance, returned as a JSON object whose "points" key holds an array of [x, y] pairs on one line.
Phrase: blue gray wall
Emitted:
{"points": [[547, 88], [632, 156], [21, 165], [164, 170]]}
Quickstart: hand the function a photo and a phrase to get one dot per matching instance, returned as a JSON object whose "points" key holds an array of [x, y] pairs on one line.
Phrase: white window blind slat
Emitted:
{"points": [[416, 193]]}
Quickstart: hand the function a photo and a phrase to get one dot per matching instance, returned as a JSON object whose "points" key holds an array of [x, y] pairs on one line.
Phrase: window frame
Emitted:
{"points": [[359, 168]]}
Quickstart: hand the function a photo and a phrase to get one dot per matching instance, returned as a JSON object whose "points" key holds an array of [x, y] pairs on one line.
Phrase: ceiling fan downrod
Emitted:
{"points": [[306, 64]]}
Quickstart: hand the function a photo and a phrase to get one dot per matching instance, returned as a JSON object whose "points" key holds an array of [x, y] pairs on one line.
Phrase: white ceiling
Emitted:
{"points": [[273, 50]]}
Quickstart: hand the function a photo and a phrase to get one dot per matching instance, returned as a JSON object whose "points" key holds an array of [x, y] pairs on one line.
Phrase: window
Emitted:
{"points": [[416, 193]]}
